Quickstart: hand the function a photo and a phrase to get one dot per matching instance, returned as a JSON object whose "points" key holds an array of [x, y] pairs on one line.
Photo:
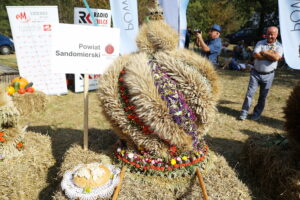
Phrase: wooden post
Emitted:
{"points": [[115, 197], [201, 184], [86, 113]]}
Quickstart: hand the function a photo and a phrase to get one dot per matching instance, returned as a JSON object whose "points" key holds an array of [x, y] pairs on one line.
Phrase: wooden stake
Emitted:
{"points": [[86, 113], [201, 184], [120, 184]]}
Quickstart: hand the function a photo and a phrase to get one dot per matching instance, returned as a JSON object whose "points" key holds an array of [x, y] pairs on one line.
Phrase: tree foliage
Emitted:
{"points": [[230, 14]]}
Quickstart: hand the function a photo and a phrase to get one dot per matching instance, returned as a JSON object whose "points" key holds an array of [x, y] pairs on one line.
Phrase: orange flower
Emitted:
{"points": [[1, 134], [2, 139], [19, 145]]}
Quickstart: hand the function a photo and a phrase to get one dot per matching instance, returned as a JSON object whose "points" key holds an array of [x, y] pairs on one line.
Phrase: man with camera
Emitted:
{"points": [[211, 47]]}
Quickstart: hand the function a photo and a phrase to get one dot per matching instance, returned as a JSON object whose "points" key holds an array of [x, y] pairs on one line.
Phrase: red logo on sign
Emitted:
{"points": [[109, 49], [22, 17], [47, 27]]}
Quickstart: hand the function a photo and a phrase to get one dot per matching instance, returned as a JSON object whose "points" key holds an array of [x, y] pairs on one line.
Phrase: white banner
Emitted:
{"points": [[31, 28], [125, 17], [289, 18], [82, 16], [87, 50], [102, 16], [175, 16]]}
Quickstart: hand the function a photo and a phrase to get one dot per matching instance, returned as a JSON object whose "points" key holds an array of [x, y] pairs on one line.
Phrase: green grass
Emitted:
{"points": [[9, 60]]}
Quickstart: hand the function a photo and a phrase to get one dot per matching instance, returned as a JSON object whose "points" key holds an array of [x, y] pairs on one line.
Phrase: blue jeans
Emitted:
{"points": [[265, 82]]}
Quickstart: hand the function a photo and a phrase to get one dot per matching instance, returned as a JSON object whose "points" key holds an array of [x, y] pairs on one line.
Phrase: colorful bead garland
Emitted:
{"points": [[145, 162]]}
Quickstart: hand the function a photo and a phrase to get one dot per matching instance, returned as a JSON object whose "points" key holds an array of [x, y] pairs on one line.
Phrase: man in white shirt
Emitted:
{"points": [[266, 54]]}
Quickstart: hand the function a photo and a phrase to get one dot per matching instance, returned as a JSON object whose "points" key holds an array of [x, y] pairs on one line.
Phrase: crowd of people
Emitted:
{"points": [[261, 62]]}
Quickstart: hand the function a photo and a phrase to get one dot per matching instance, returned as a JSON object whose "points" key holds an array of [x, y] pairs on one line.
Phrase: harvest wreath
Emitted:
{"points": [[161, 101], [182, 115]]}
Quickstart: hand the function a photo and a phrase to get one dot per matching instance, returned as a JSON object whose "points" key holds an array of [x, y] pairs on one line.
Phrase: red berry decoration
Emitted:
{"points": [[21, 91]]}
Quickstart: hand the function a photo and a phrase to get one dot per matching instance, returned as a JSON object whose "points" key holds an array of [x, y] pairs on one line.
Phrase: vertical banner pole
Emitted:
{"points": [[86, 93], [86, 112]]}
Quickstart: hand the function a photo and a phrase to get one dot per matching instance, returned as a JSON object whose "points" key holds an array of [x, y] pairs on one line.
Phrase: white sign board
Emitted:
{"points": [[79, 82], [82, 16], [31, 28], [83, 49], [289, 18], [102, 16]]}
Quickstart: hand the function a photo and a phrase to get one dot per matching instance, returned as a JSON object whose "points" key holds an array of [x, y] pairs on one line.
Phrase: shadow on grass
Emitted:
{"points": [[226, 102], [61, 141], [232, 73], [286, 78], [268, 121]]}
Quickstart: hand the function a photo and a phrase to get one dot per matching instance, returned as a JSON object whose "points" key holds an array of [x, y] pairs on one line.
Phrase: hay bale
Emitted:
{"points": [[26, 177], [30, 102], [292, 115], [274, 168], [76, 155], [221, 181], [14, 143], [9, 115]]}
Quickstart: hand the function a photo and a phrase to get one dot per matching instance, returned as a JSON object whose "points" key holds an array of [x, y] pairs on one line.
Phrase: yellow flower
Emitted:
{"points": [[173, 162], [184, 158], [122, 152], [88, 190]]}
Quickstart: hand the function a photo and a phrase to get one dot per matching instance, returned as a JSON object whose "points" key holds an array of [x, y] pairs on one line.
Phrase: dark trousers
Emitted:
{"points": [[265, 82]]}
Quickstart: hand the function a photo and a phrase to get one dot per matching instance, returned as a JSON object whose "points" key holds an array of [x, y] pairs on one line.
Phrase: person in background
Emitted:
{"points": [[266, 54], [213, 46], [187, 38]]}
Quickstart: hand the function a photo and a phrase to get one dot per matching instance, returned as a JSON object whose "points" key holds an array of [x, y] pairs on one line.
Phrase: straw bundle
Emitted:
{"points": [[292, 115], [30, 102], [274, 168], [220, 180], [26, 177], [9, 115]]}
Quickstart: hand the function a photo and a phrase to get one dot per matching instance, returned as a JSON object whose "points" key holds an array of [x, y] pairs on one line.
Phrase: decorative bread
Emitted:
{"points": [[91, 176]]}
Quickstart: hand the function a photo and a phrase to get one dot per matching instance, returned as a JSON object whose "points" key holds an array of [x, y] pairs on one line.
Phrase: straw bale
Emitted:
{"points": [[9, 115], [30, 102], [13, 137], [220, 180], [24, 177], [292, 115], [274, 168], [76, 155], [4, 98]]}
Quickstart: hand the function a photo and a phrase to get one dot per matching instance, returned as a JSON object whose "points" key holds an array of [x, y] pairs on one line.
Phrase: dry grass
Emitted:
{"points": [[9, 60], [53, 132]]}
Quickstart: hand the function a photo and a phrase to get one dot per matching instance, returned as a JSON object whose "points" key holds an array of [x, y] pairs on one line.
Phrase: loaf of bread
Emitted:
{"points": [[91, 176]]}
